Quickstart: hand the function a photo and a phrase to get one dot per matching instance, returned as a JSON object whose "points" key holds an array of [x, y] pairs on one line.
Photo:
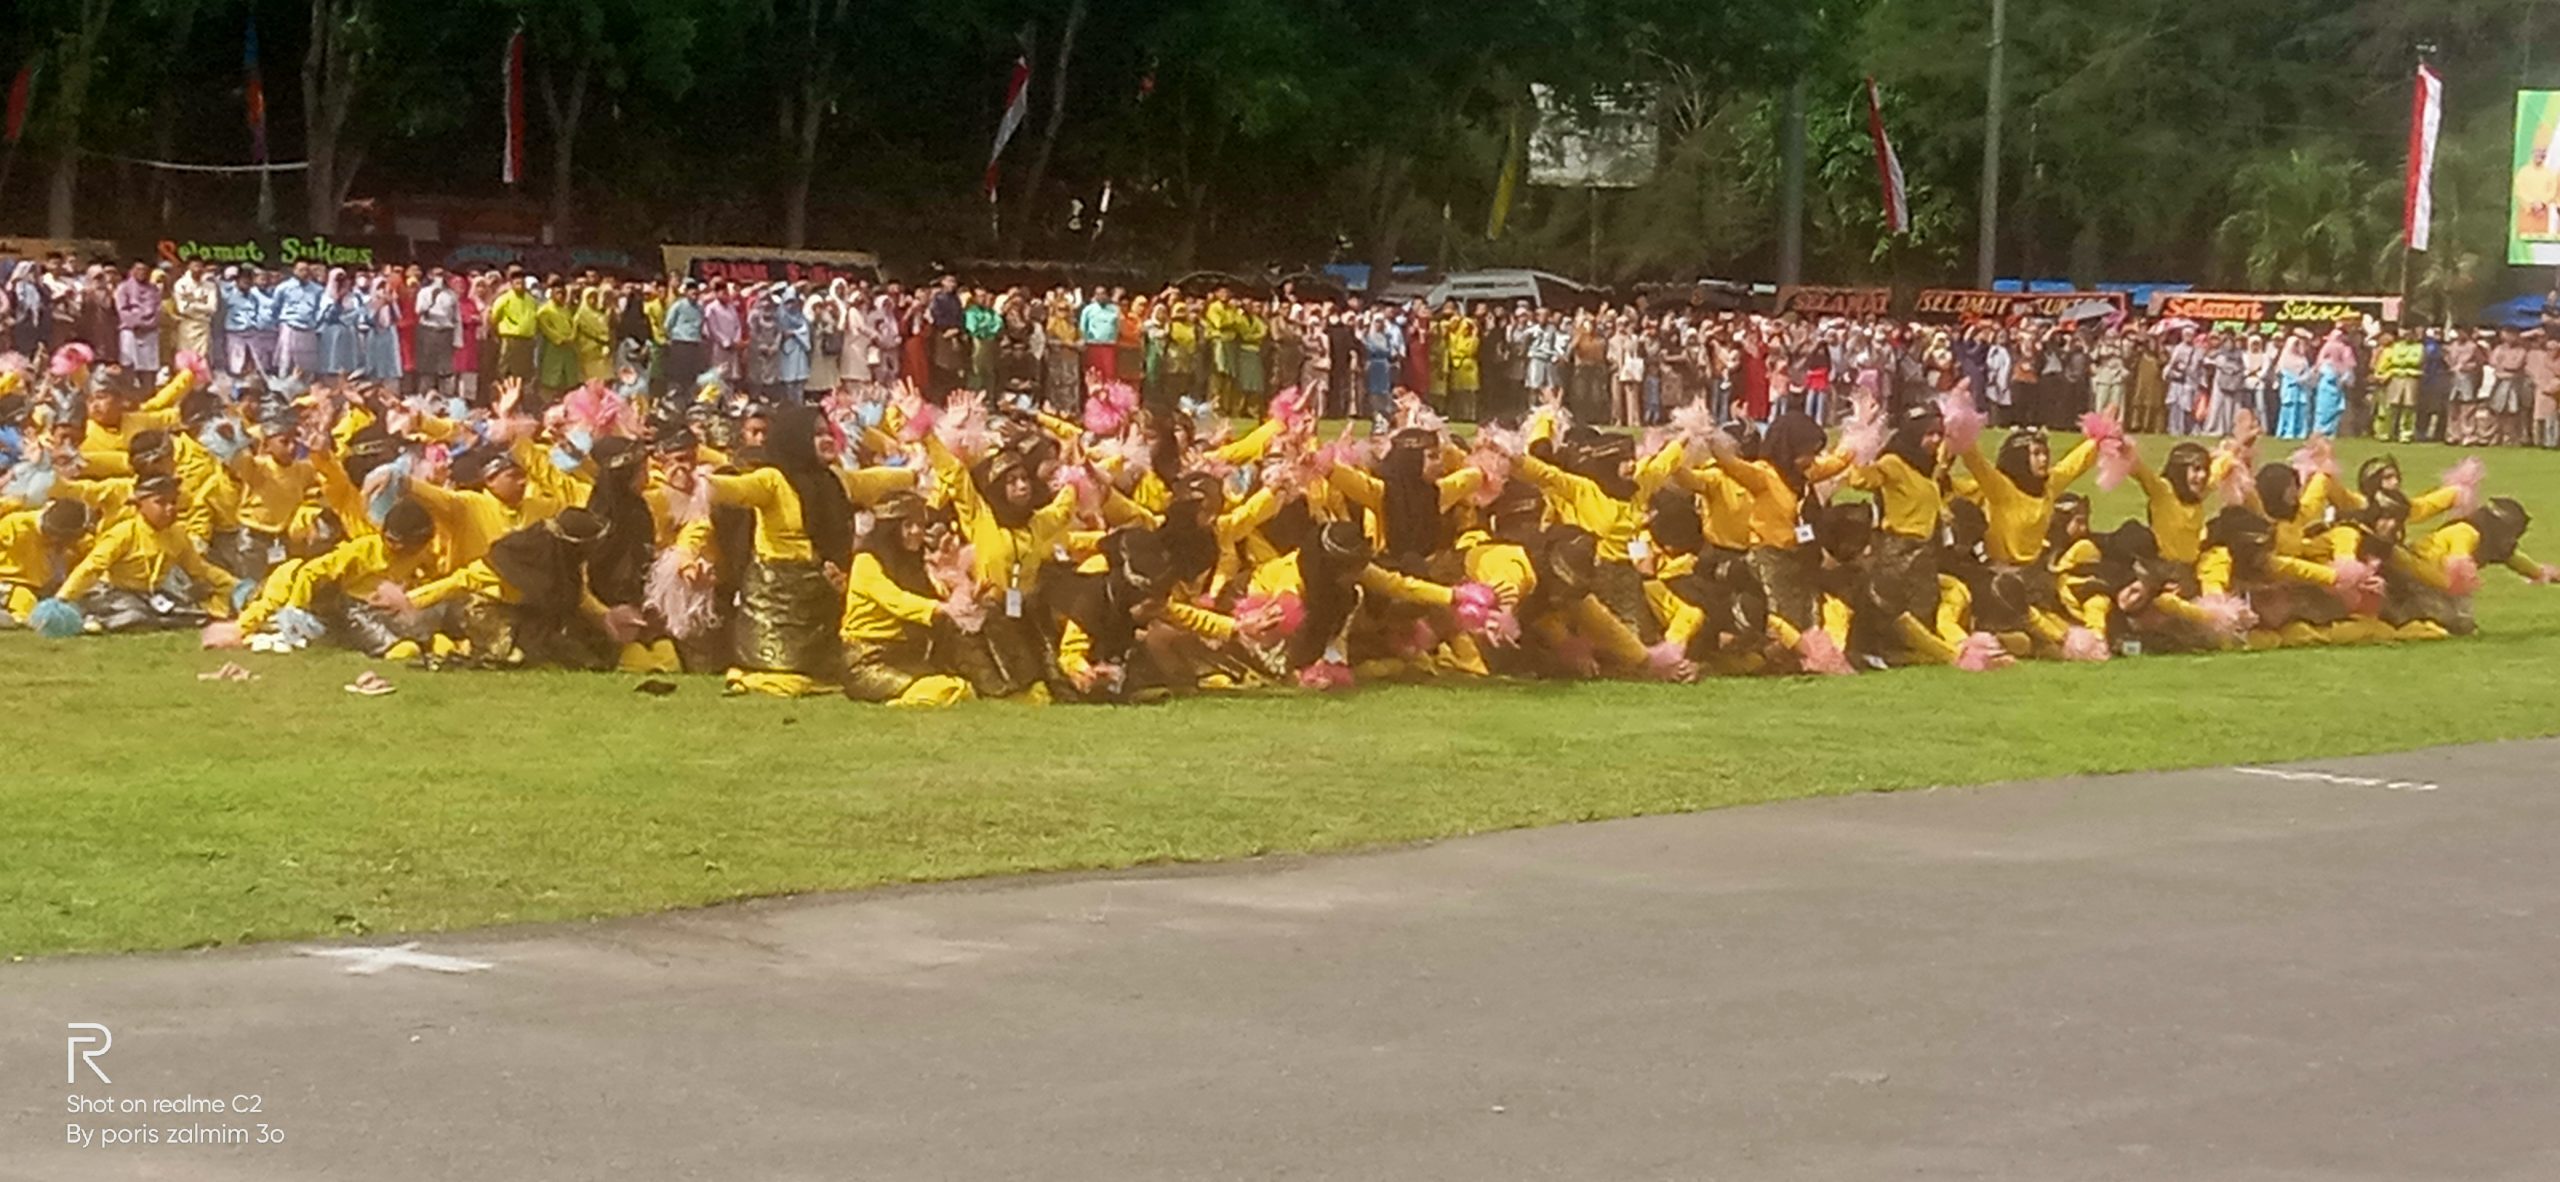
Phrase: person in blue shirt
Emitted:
{"points": [[685, 357], [298, 299], [1099, 324]]}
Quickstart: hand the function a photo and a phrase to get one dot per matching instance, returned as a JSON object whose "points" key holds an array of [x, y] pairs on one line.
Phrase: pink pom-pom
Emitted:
{"points": [[192, 362], [1695, 422], [1816, 652], [2235, 487], [1964, 421], [2464, 479], [2315, 458], [1107, 411], [13, 364], [1289, 406], [2081, 644], [2116, 458], [71, 359], [221, 634], [1474, 604], [1087, 486], [1666, 661], [1414, 639], [2227, 615], [1981, 652], [1325, 677], [1503, 440], [2359, 585], [1502, 628], [1271, 617], [1863, 439], [920, 422], [686, 605], [2544, 575], [2461, 576]]}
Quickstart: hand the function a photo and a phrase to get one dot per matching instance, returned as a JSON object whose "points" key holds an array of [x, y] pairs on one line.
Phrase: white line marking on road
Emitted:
{"points": [[2316, 777], [365, 962]]}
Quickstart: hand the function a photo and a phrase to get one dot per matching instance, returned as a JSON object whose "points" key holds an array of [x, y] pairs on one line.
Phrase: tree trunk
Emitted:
{"points": [[62, 196], [331, 67], [1039, 175], [565, 117], [804, 167]]}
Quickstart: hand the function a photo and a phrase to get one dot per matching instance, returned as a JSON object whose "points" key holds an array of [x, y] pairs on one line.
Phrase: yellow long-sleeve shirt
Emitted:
{"points": [[879, 611], [1910, 497], [781, 535], [1726, 504], [356, 568], [1775, 507], [29, 561], [469, 521], [2178, 526], [131, 556], [1581, 501], [272, 492], [2019, 520], [2425, 561], [512, 314], [103, 448]]}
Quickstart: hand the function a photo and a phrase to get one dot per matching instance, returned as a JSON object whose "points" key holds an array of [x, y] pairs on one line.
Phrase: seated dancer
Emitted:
{"points": [[896, 618], [145, 573], [354, 594], [526, 602]]}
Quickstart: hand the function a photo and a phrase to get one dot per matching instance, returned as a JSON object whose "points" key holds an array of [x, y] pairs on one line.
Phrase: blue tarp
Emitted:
{"points": [[2137, 294], [2524, 311]]}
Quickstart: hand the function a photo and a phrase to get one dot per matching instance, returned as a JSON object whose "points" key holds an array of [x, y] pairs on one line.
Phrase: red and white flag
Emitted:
{"points": [[1897, 209], [2426, 111], [1017, 103], [511, 167]]}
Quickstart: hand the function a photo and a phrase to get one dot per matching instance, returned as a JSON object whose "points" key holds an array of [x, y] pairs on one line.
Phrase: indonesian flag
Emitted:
{"points": [[1897, 209], [253, 93], [20, 89], [511, 163], [1017, 103], [2426, 111]]}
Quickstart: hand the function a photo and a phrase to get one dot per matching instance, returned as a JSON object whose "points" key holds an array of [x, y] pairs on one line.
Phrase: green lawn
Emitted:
{"points": [[141, 808]]}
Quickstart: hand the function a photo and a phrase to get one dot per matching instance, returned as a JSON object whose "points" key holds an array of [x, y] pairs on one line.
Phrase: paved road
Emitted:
{"points": [[2202, 975]]}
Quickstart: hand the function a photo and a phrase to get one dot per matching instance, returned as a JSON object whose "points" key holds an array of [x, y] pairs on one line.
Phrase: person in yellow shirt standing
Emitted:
{"points": [[511, 320], [556, 323], [1466, 372]]}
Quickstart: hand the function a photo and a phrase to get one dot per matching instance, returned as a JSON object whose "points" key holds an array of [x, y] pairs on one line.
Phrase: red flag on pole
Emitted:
{"points": [[2425, 113], [1897, 210], [511, 169], [1017, 103], [19, 91], [254, 93]]}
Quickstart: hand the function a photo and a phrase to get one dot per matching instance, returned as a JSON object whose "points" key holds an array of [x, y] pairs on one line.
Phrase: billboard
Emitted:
{"points": [[1607, 143], [2245, 310], [766, 264], [2533, 222], [1943, 304]]}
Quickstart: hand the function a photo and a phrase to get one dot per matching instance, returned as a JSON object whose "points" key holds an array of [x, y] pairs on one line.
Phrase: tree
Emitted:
{"points": [[810, 33], [582, 47], [79, 27], [2303, 220]]}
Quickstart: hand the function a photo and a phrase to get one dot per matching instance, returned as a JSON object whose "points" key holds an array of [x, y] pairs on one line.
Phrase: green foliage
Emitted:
{"points": [[2145, 138]]}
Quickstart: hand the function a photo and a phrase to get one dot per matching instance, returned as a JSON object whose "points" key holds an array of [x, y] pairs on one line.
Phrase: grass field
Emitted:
{"points": [[141, 808]]}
